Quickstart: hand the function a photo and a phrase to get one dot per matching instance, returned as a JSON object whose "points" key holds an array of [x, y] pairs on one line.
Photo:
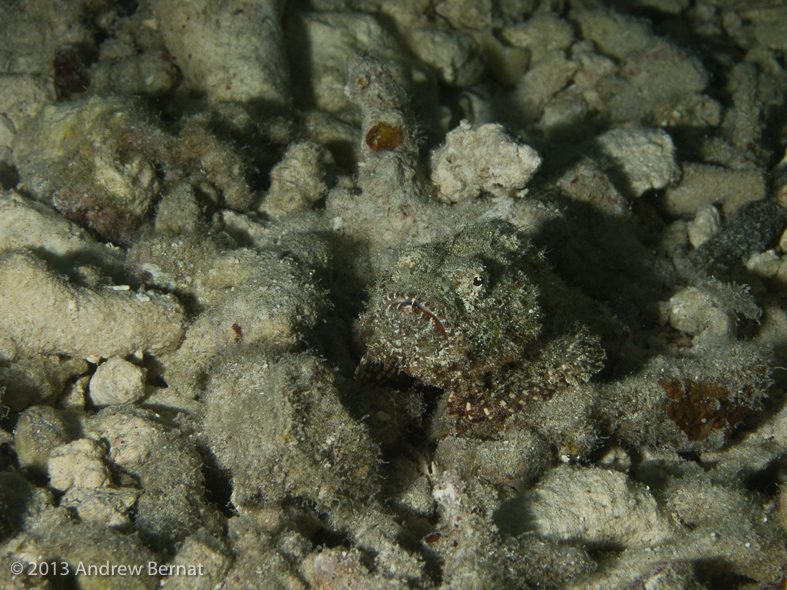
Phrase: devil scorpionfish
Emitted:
{"points": [[465, 314]]}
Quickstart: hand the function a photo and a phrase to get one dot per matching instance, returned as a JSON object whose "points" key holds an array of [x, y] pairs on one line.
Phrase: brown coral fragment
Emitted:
{"points": [[699, 405], [94, 207], [384, 137], [71, 75]]}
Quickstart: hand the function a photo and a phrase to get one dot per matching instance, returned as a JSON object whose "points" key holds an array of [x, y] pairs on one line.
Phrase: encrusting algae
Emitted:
{"points": [[385, 295]]}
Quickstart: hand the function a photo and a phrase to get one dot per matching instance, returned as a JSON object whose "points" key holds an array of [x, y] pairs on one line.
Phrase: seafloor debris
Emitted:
{"points": [[44, 314], [482, 160], [553, 231]]}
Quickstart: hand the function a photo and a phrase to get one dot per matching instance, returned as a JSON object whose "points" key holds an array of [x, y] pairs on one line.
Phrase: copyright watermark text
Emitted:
{"points": [[65, 568]]}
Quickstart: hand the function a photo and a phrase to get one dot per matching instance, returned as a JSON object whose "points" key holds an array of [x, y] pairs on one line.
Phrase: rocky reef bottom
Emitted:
{"points": [[429, 295]]}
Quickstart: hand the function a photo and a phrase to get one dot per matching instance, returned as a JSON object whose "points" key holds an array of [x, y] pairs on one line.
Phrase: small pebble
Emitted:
{"points": [[117, 382], [707, 222]]}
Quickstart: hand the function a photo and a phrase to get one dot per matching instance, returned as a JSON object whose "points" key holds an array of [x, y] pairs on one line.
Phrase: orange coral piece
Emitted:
{"points": [[384, 136]]}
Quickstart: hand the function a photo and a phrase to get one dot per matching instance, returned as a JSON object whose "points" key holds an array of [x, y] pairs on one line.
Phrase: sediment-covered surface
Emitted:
{"points": [[359, 294]]}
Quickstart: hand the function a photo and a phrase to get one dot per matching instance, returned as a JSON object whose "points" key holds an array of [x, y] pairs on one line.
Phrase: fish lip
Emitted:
{"points": [[402, 301]]}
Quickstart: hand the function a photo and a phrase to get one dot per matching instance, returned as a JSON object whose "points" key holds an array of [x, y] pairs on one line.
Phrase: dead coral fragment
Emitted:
{"points": [[44, 314], [384, 136], [484, 159], [96, 160]]}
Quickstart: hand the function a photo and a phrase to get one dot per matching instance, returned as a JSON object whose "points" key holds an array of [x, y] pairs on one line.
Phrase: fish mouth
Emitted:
{"points": [[411, 304]]}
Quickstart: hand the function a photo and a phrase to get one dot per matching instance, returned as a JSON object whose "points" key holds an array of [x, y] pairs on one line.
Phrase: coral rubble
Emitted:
{"points": [[434, 295]]}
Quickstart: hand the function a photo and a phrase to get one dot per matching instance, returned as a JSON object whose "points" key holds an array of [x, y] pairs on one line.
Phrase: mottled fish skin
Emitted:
{"points": [[463, 314]]}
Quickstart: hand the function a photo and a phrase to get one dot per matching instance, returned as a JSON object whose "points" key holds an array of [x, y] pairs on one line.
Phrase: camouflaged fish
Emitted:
{"points": [[464, 314]]}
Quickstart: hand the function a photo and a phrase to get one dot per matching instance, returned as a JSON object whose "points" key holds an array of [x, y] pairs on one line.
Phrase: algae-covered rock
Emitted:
{"points": [[454, 56], [81, 470], [104, 161], [18, 499], [601, 507], [647, 157], [298, 181], [80, 549], [117, 381], [289, 411], [25, 223], [706, 223], [211, 554], [28, 47], [257, 559], [215, 165], [704, 185], [96, 160], [514, 461], [539, 35], [232, 51], [320, 44], [167, 467], [39, 431], [44, 313], [263, 298], [541, 83], [23, 96], [79, 464], [27, 381], [467, 538], [651, 76]]}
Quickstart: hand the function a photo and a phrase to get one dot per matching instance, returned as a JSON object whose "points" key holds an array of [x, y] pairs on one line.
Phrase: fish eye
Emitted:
{"points": [[478, 282]]}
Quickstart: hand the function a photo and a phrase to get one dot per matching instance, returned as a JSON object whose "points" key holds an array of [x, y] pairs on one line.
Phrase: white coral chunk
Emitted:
{"points": [[646, 156], [481, 159], [77, 464]]}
